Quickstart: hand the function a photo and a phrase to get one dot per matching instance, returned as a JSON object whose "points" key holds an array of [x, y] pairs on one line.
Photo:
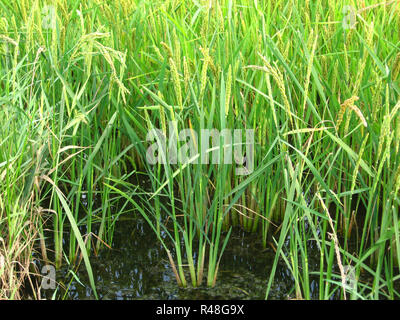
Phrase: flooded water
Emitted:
{"points": [[137, 267]]}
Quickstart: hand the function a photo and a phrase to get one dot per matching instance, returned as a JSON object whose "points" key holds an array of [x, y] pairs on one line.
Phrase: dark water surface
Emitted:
{"points": [[137, 267]]}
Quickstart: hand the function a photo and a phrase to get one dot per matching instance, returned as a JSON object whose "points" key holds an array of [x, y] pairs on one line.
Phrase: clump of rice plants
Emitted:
{"points": [[96, 95]]}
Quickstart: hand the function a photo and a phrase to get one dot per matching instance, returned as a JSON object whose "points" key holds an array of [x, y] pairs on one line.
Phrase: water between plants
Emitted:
{"points": [[137, 267]]}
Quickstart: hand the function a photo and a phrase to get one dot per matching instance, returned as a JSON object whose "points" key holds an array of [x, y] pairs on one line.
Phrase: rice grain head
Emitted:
{"points": [[278, 77], [359, 114], [162, 115], [385, 130], [186, 74], [176, 82], [228, 90], [168, 48], [377, 98], [347, 104], [177, 50], [158, 53], [396, 67], [397, 184], [203, 77], [309, 68]]}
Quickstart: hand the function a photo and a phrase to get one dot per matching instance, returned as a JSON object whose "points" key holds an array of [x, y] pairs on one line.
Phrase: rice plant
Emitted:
{"points": [[96, 96]]}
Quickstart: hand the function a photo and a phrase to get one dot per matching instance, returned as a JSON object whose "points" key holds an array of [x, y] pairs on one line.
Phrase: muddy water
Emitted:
{"points": [[137, 268]]}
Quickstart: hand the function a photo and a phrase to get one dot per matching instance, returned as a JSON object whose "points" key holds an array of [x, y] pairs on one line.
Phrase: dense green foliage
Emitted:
{"points": [[82, 83]]}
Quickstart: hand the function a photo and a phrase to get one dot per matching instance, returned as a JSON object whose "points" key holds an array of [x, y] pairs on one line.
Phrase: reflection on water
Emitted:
{"points": [[137, 268]]}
